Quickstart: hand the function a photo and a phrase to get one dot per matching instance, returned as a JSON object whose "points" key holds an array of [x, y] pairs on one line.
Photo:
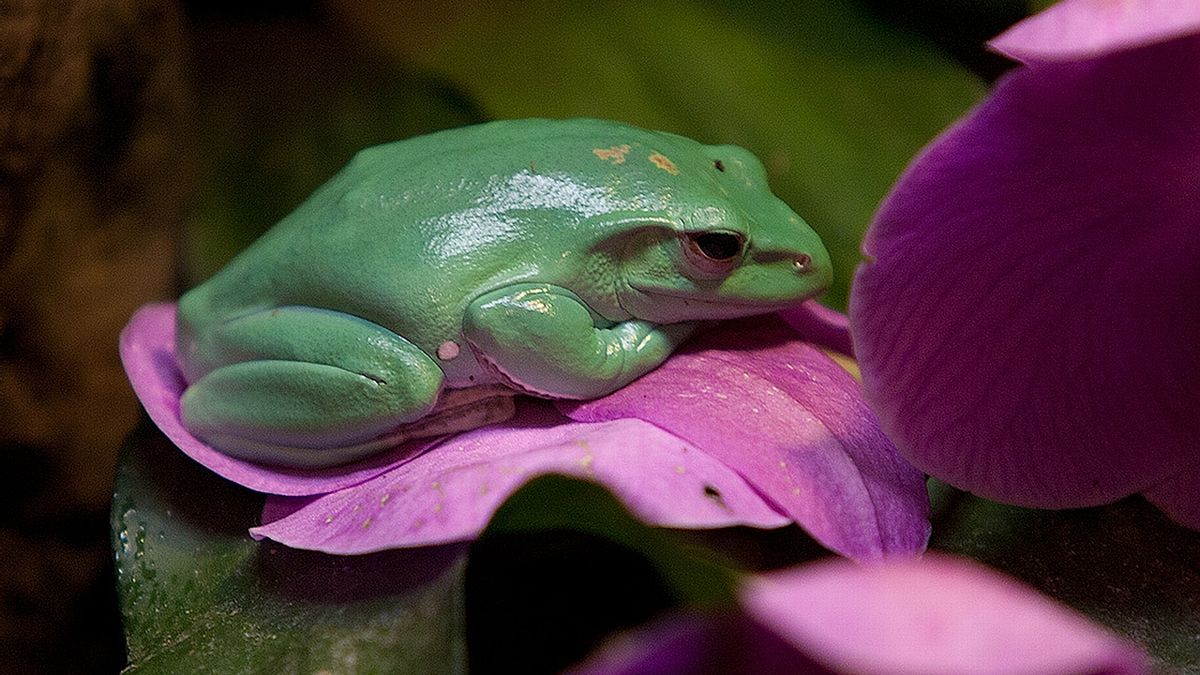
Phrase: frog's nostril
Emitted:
{"points": [[802, 264]]}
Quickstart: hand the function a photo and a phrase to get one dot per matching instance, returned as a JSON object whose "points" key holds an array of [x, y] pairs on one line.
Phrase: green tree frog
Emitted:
{"points": [[559, 258]]}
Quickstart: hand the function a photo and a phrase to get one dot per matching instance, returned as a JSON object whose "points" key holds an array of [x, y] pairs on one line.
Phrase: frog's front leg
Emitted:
{"points": [[301, 386], [544, 339]]}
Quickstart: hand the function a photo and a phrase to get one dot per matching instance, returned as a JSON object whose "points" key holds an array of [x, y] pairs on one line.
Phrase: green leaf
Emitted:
{"points": [[199, 596], [831, 98], [1125, 565]]}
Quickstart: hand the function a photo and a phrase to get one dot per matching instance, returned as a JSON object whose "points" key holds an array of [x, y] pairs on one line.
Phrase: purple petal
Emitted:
{"points": [[934, 615], [820, 325], [793, 423], [1179, 497], [450, 492], [1027, 329], [1080, 29], [148, 353], [678, 644], [697, 643]]}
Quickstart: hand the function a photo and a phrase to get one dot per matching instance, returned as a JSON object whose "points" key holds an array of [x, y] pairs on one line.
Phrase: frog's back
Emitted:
{"points": [[408, 230]]}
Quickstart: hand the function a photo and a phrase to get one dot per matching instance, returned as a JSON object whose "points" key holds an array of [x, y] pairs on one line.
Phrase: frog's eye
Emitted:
{"points": [[719, 165], [714, 252]]}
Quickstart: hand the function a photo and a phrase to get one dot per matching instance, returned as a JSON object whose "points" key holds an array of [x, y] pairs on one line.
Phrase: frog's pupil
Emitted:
{"points": [[719, 165], [719, 245]]}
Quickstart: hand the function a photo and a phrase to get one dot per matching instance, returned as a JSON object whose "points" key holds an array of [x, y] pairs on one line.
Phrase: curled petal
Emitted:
{"points": [[790, 421], [821, 326], [148, 354], [1027, 324], [932, 616], [1080, 29], [449, 493]]}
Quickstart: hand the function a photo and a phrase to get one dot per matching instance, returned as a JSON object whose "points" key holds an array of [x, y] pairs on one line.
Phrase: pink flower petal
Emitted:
{"points": [[931, 616], [1027, 329], [1080, 29], [791, 422], [148, 353], [449, 493]]}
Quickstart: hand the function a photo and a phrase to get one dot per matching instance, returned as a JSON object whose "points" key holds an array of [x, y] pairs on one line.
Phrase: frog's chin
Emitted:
{"points": [[670, 306]]}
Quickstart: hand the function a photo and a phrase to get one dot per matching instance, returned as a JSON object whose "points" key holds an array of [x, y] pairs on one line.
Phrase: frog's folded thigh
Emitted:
{"points": [[313, 335], [297, 378]]}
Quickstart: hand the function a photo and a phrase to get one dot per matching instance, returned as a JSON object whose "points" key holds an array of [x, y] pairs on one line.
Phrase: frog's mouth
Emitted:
{"points": [[667, 305], [763, 305]]}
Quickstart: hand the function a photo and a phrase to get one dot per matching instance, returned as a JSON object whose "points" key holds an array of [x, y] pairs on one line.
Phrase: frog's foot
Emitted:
{"points": [[491, 367], [306, 387], [461, 410], [544, 340]]}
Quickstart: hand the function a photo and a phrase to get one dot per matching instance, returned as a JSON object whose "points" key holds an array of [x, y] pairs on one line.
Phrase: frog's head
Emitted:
{"points": [[721, 245]]}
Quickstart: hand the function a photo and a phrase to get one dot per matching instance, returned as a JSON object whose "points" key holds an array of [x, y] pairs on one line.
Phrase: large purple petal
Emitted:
{"points": [[148, 353], [1027, 327], [931, 616], [1079, 29], [793, 423], [449, 493]]}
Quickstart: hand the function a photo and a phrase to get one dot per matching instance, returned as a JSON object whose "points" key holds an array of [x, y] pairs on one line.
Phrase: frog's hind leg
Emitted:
{"points": [[304, 387]]}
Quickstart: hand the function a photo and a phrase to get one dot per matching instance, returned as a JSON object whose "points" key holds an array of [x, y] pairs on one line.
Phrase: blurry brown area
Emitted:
{"points": [[96, 173]]}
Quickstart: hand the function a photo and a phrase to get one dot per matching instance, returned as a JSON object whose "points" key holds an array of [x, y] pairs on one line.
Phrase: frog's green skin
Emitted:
{"points": [[558, 258]]}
